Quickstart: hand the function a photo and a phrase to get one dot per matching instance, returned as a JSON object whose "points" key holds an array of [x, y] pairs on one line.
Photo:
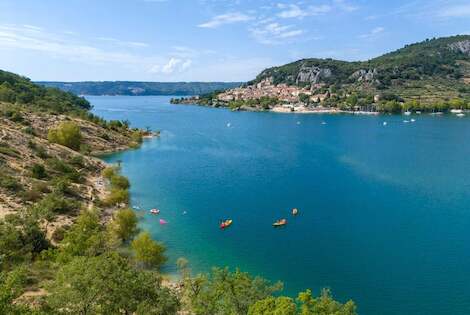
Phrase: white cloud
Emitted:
{"points": [[275, 33], [36, 39], [294, 11], [122, 43], [456, 11], [173, 65], [227, 18], [345, 6], [373, 33]]}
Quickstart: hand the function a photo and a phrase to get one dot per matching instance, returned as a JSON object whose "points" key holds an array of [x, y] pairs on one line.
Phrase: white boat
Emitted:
{"points": [[456, 111], [407, 113], [406, 121], [384, 123], [413, 120], [460, 115], [323, 123], [154, 211], [418, 112], [228, 125]]}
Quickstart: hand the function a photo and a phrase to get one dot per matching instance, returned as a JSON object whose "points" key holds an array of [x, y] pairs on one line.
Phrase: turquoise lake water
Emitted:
{"points": [[384, 210]]}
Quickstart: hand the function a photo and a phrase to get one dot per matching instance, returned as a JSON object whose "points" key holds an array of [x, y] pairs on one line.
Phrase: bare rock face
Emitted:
{"points": [[363, 75], [462, 47], [312, 74]]}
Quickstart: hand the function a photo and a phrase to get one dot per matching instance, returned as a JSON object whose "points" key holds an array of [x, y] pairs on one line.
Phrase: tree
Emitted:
{"points": [[273, 306], [147, 251], [108, 284], [124, 224], [304, 98], [21, 239], [183, 267], [66, 134], [85, 238], [119, 181], [324, 304], [226, 293], [11, 287]]}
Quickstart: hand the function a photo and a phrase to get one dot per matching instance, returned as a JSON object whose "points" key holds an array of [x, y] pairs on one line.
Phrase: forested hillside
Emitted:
{"points": [[140, 88], [429, 71]]}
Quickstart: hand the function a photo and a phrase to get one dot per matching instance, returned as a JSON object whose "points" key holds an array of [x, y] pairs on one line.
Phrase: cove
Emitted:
{"points": [[384, 210]]}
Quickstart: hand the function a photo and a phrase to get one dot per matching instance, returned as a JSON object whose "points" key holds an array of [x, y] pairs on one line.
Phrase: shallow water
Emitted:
{"points": [[384, 210]]}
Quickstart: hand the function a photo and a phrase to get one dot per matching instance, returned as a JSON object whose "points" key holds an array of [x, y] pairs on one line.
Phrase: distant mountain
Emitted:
{"points": [[140, 88], [430, 71]]}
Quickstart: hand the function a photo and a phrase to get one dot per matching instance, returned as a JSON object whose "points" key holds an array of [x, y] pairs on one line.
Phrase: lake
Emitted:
{"points": [[384, 211]]}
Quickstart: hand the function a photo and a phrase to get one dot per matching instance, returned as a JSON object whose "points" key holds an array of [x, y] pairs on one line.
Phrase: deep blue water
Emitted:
{"points": [[384, 210]]}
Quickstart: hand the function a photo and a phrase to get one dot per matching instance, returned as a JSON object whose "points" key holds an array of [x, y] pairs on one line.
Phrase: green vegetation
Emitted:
{"points": [[148, 252], [38, 171], [66, 134], [108, 284], [431, 72], [124, 224], [20, 90], [262, 103], [274, 306], [141, 88], [225, 292]]}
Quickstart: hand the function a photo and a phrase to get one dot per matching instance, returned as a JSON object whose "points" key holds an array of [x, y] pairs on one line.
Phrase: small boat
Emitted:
{"points": [[154, 211], [228, 125], [279, 223], [226, 223], [407, 113], [163, 222], [413, 120], [295, 211], [384, 123], [184, 212], [460, 115], [323, 122], [406, 121]]}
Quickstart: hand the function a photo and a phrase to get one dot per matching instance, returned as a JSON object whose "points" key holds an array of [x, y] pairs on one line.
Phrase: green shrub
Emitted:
{"points": [[56, 203], [119, 181], [66, 134], [64, 169], [136, 136], [124, 224], [28, 130], [117, 196], [38, 171], [41, 152], [148, 252], [62, 186], [7, 150], [16, 117], [32, 195], [109, 172], [9, 183], [77, 161]]}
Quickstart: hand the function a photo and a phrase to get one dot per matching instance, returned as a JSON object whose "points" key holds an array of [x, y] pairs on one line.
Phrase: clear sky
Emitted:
{"points": [[207, 40]]}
